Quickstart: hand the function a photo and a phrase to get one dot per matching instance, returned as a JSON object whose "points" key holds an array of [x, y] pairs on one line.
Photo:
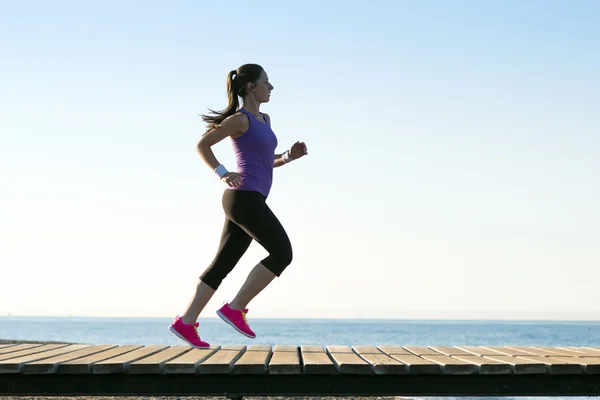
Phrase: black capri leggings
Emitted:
{"points": [[247, 217]]}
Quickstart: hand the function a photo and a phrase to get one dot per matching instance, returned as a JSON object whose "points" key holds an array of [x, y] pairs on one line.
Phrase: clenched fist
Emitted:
{"points": [[233, 179]]}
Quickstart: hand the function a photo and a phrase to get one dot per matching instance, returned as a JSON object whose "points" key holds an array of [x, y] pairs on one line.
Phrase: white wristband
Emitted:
{"points": [[220, 171], [287, 157]]}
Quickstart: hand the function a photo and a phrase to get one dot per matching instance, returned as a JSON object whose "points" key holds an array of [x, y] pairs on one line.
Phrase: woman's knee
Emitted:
{"points": [[212, 278], [285, 254], [287, 257], [278, 261], [217, 271]]}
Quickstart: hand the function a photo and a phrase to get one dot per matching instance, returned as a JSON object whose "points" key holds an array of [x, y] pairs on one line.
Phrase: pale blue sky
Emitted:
{"points": [[453, 167]]}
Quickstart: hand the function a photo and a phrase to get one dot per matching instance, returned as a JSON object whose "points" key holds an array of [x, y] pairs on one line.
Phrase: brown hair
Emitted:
{"points": [[237, 82]]}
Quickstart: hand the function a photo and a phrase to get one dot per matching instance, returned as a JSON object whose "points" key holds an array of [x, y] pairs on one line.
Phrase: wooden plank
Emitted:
{"points": [[14, 365], [155, 363], [421, 350], [121, 363], [485, 365], [520, 366], [254, 361], [366, 350], [556, 366], [450, 351], [548, 351], [558, 351], [339, 349], [188, 362], [285, 362], [278, 348], [222, 361], [417, 365], [507, 351], [20, 347], [3, 346], [316, 361], [350, 363], [27, 350], [452, 366], [395, 351], [347, 362], [593, 350], [585, 352], [381, 363], [479, 350], [49, 365], [84, 365], [311, 349], [259, 347]]}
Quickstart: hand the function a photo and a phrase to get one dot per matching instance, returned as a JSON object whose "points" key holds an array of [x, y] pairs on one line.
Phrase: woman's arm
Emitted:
{"points": [[297, 151], [278, 160], [232, 126]]}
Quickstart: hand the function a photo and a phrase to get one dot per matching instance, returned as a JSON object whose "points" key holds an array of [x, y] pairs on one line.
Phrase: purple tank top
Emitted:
{"points": [[254, 152]]}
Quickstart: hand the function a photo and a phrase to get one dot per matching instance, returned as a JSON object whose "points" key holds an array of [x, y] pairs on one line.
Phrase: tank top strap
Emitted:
{"points": [[251, 116], [245, 112], [266, 119]]}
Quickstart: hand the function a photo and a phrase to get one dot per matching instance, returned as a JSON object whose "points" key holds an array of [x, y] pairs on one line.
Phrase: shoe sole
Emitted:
{"points": [[224, 318], [174, 332]]}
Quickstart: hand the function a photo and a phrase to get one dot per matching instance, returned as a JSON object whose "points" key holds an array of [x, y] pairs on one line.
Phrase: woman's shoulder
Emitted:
{"points": [[238, 123], [239, 119]]}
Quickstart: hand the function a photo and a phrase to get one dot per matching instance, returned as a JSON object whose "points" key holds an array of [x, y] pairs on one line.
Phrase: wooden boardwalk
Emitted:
{"points": [[61, 369]]}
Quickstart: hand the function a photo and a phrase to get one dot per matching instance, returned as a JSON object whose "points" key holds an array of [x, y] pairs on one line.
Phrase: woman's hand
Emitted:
{"points": [[298, 150], [233, 179]]}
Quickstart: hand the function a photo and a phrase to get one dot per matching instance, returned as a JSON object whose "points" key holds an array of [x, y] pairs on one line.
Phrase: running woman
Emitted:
{"points": [[247, 215]]}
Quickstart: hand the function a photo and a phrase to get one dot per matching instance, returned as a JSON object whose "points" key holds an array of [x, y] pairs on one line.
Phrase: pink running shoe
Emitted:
{"points": [[188, 333], [237, 319]]}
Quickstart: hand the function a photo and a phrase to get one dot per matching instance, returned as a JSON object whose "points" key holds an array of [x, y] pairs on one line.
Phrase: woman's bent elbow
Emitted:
{"points": [[201, 147]]}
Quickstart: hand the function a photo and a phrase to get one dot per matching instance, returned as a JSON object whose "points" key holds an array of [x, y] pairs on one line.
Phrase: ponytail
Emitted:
{"points": [[237, 81], [232, 106]]}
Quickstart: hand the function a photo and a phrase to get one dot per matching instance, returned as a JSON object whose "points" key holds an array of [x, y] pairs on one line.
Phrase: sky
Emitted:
{"points": [[453, 167]]}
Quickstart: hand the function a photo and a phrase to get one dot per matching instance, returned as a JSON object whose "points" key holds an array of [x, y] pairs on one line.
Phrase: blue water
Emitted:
{"points": [[309, 332], [314, 332]]}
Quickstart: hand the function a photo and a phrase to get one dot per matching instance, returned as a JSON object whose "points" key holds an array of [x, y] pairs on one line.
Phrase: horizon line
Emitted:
{"points": [[423, 319]]}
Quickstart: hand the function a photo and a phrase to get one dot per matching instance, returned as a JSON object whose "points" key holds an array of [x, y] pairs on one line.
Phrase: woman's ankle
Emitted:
{"points": [[187, 320], [236, 306]]}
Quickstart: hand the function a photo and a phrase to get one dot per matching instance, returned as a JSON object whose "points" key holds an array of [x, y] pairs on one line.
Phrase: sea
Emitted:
{"points": [[309, 332]]}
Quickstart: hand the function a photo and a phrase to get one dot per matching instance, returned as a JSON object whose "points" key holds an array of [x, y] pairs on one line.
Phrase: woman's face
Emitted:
{"points": [[261, 89]]}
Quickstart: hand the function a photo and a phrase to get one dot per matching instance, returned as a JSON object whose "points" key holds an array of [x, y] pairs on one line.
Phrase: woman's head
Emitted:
{"points": [[251, 83]]}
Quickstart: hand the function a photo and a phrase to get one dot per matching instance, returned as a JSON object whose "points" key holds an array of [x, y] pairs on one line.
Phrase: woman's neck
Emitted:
{"points": [[252, 106]]}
